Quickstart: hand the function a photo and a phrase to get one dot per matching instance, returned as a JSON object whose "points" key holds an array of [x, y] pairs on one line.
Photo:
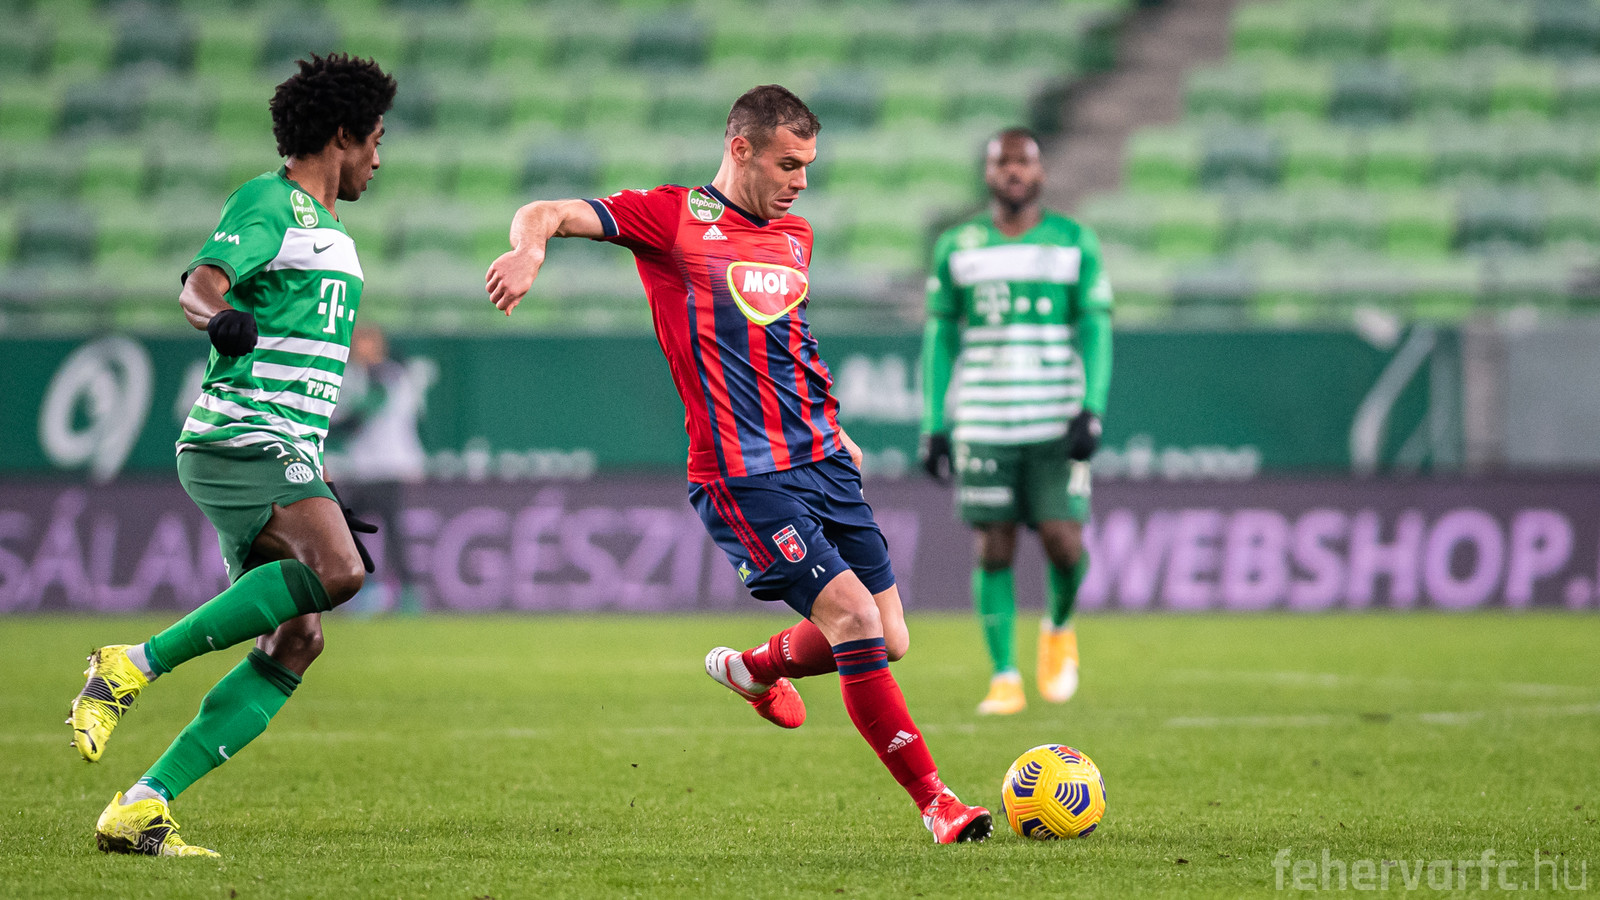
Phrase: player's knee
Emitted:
{"points": [[342, 579], [297, 644], [996, 547], [898, 643], [1064, 547], [856, 623]]}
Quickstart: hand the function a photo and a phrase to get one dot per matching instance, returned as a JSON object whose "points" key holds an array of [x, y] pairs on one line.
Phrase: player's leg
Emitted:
{"points": [[849, 615], [1060, 493], [244, 494], [988, 482]]}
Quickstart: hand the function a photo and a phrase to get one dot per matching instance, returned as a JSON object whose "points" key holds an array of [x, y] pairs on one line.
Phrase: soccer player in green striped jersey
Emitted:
{"points": [[276, 287], [1019, 295]]}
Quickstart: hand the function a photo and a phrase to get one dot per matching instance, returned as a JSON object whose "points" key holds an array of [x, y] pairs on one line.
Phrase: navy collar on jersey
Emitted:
{"points": [[717, 195]]}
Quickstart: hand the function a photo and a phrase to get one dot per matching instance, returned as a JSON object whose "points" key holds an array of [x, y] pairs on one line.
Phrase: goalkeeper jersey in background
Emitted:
{"points": [[728, 294], [1018, 303]]}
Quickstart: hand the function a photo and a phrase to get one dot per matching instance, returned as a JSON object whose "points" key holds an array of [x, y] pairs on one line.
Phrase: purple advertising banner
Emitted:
{"points": [[635, 545]]}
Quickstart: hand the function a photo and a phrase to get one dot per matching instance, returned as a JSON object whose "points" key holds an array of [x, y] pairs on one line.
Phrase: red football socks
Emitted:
{"points": [[878, 710], [795, 652]]}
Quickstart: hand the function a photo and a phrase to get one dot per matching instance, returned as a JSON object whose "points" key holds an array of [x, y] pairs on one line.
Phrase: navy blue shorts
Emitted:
{"points": [[789, 533]]}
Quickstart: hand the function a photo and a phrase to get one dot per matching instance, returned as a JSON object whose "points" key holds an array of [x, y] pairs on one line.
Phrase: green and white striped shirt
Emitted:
{"points": [[1017, 302], [294, 267]]}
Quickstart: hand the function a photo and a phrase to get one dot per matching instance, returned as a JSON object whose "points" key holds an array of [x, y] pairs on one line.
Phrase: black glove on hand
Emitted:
{"points": [[933, 452], [356, 525], [233, 332], [1083, 435]]}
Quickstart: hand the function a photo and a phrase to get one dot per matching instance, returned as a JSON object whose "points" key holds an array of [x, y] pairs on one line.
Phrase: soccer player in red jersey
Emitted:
{"points": [[774, 478]]}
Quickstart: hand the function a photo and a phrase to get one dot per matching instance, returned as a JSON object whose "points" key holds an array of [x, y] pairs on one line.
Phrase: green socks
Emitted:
{"points": [[233, 713], [261, 600], [994, 597], [1064, 584]]}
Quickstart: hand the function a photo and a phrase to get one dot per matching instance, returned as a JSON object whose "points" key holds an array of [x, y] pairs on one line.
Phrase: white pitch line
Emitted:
{"points": [[1336, 680], [1460, 717]]}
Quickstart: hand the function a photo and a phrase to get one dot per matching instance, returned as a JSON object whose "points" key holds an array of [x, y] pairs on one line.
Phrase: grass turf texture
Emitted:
{"points": [[591, 757]]}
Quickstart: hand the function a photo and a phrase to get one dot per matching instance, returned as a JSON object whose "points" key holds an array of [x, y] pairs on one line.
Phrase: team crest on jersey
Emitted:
{"points": [[704, 208], [766, 292], [798, 251], [970, 237], [788, 541], [304, 212]]}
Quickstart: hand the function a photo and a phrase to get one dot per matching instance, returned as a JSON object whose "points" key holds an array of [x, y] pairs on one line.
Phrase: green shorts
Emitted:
{"points": [[236, 487], [1028, 483]]}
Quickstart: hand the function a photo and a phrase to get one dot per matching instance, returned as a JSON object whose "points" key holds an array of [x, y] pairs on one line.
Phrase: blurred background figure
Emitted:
{"points": [[374, 448]]}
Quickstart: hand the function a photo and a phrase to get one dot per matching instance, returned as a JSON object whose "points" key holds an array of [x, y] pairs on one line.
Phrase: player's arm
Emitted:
{"points": [[510, 277], [1093, 312], [941, 343], [205, 305], [851, 447]]}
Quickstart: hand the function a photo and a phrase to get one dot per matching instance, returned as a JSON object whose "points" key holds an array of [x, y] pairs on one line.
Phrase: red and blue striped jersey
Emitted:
{"points": [[728, 294]]}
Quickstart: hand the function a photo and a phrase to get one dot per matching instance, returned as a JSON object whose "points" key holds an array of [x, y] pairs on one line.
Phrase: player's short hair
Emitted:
{"points": [[329, 93], [1013, 132], [761, 111]]}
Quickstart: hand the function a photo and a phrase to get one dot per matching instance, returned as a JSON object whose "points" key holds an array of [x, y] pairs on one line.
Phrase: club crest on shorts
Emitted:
{"points": [[299, 473], [788, 541]]}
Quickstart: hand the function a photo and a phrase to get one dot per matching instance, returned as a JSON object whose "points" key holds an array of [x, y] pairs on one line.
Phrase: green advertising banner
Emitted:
{"points": [[1184, 406]]}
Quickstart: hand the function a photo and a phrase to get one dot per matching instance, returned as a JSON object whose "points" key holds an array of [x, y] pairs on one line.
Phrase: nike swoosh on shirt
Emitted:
{"points": [[316, 249]]}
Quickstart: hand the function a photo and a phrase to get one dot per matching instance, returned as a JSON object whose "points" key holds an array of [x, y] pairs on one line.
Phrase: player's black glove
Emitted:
{"points": [[233, 332], [356, 525], [1083, 435], [933, 452]]}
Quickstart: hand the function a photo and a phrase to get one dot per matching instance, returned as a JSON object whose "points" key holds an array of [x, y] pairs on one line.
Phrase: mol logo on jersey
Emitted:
{"points": [[765, 292]]}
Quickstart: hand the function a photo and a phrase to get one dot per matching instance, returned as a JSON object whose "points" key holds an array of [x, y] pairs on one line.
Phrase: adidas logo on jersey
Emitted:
{"points": [[713, 234], [902, 740]]}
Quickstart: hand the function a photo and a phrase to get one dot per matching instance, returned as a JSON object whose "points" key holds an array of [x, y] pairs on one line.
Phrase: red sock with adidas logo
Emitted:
{"points": [[795, 652], [878, 710]]}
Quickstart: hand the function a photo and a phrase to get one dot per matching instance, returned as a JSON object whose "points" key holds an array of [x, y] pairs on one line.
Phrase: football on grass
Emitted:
{"points": [[1053, 792]]}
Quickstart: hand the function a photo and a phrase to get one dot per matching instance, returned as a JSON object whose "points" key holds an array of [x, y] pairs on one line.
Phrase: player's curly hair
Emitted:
{"points": [[329, 93], [761, 111]]}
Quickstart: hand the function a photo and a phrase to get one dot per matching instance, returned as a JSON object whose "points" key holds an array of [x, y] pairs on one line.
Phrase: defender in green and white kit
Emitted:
{"points": [[276, 287], [1019, 294]]}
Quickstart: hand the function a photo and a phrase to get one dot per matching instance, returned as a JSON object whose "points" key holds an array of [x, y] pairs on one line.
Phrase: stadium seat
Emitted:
{"points": [[42, 172], [1231, 92], [29, 110], [1493, 26], [1213, 290], [1565, 28], [1318, 155], [56, 234], [83, 46], [1239, 158], [118, 170], [243, 114], [847, 101], [416, 109], [24, 49], [1580, 92], [619, 101], [1299, 90], [1187, 226], [1265, 222], [449, 43], [1523, 88], [177, 107], [1397, 158], [1424, 28], [669, 42], [165, 41], [560, 168], [1120, 220], [1349, 28], [1416, 224], [1162, 159], [1273, 28], [471, 104], [488, 173], [194, 166], [416, 167], [295, 36], [911, 99], [1572, 221], [228, 47], [111, 106], [1489, 219], [1367, 93], [689, 106], [1448, 88], [1440, 290], [1465, 155], [1560, 158], [1339, 221]]}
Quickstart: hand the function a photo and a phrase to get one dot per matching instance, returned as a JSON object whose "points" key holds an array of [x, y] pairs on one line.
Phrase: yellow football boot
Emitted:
{"points": [[114, 683], [144, 827], [1005, 696], [1058, 662]]}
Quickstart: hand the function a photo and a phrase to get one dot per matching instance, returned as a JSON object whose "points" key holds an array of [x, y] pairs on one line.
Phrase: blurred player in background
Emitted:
{"points": [[774, 478], [374, 449], [1019, 294], [276, 288]]}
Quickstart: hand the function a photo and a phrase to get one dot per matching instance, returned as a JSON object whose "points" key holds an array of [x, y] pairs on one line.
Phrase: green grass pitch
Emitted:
{"points": [[591, 757]]}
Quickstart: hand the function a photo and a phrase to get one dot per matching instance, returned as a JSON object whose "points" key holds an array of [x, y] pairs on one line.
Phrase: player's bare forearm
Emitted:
{"points": [[204, 295], [511, 276], [851, 447]]}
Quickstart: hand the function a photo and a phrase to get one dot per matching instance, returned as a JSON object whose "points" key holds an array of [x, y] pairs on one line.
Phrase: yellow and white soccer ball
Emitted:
{"points": [[1053, 792]]}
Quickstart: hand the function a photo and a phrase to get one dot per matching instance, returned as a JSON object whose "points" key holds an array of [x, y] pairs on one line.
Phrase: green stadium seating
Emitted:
{"points": [[292, 36], [1227, 92], [24, 50], [116, 169], [1349, 28], [1463, 155], [29, 110], [1398, 158], [1448, 88], [1276, 28], [471, 104], [178, 107], [1572, 219], [164, 41], [109, 106], [1416, 224], [1580, 92], [453, 43], [1493, 25], [56, 234], [1341, 222], [1265, 222], [242, 111], [1367, 94], [1421, 28], [1315, 155], [1163, 159], [1523, 88], [674, 41], [228, 47], [486, 173], [1239, 157], [1488, 219], [560, 168], [1187, 226], [1301, 91], [1569, 28]]}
